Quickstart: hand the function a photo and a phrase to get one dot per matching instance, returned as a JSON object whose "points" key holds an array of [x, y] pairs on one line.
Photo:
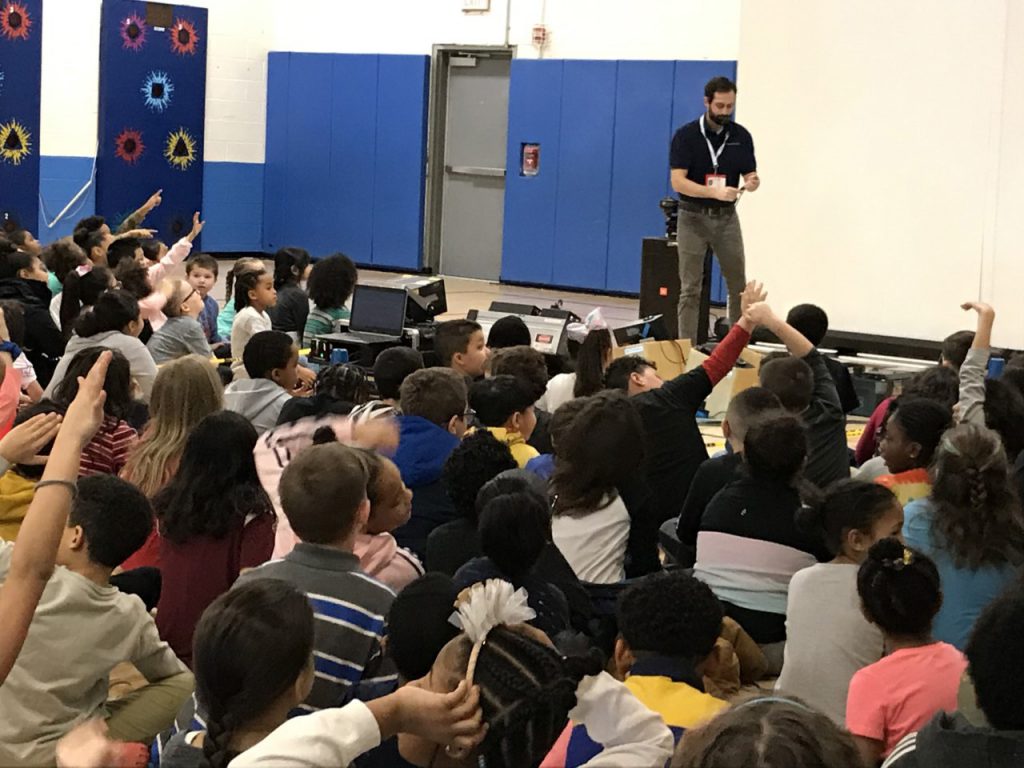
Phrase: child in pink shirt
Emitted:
{"points": [[900, 593], [390, 506]]}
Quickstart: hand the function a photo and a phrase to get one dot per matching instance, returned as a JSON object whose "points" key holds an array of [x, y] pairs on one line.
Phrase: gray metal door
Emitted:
{"points": [[476, 133]]}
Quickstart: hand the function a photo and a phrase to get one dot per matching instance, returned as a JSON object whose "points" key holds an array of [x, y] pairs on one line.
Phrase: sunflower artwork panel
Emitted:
{"points": [[21, 27], [152, 112]]}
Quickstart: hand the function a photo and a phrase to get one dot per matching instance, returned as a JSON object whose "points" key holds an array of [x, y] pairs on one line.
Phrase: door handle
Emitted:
{"points": [[475, 170]]}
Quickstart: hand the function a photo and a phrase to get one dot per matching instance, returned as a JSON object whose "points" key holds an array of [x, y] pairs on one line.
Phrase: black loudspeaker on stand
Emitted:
{"points": [[659, 286]]}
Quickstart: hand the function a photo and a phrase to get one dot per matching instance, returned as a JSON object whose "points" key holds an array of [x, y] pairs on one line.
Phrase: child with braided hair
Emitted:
{"points": [[900, 592], [253, 652], [528, 693], [971, 524]]}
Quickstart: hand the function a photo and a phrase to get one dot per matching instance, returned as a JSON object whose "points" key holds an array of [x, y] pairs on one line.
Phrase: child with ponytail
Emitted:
{"points": [[827, 637], [254, 295], [226, 316], [82, 286], [900, 593], [971, 524]]}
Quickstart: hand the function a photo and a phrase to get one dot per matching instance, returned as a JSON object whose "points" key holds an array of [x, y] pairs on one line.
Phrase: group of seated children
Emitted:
{"points": [[459, 565]]}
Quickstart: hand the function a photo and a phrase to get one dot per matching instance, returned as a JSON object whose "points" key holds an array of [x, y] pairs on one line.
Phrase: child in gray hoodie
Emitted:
{"points": [[271, 361]]}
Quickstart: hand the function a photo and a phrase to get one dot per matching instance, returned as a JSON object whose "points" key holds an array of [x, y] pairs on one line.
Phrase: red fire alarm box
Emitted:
{"points": [[530, 160]]}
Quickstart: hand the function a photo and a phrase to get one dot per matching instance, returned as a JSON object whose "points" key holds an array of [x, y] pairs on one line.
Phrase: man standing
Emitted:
{"points": [[709, 158]]}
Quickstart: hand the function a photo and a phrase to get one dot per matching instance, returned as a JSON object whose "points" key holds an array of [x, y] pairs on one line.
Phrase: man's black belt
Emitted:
{"points": [[707, 210]]}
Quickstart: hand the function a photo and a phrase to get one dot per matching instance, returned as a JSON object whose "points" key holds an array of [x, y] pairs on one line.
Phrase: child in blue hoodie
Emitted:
{"points": [[433, 421]]}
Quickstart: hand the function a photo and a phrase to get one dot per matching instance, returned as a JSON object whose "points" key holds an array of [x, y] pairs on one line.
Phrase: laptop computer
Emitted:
{"points": [[378, 315]]}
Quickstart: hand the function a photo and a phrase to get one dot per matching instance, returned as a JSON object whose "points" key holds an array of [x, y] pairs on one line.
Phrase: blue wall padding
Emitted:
{"points": [[604, 129], [398, 189], [643, 108], [60, 179], [585, 173], [233, 207], [535, 115], [20, 66], [353, 153], [346, 155], [124, 184]]}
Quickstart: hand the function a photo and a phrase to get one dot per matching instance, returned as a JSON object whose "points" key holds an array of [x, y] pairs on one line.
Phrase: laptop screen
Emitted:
{"points": [[378, 310]]}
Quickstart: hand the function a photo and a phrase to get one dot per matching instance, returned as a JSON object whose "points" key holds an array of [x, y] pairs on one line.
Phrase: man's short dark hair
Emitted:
{"points": [[792, 381], [391, 367], [955, 346], [718, 84], [115, 516], [811, 320], [526, 364], [321, 490], [618, 373], [998, 674], [688, 631], [202, 261], [266, 351], [477, 460], [496, 399], [452, 338], [434, 394]]}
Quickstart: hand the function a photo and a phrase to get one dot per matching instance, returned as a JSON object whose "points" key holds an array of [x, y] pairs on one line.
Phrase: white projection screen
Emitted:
{"points": [[890, 144]]}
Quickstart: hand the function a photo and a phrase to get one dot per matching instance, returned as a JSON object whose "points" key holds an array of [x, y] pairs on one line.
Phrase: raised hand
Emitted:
{"points": [[85, 414], [197, 227], [978, 306], [21, 444], [154, 201], [753, 293], [141, 234]]}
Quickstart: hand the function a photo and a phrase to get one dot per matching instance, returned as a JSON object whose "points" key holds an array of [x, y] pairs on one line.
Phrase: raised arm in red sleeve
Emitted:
{"points": [[721, 361]]}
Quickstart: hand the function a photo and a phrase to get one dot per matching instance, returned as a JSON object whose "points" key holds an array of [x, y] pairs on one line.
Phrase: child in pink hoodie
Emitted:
{"points": [[390, 506]]}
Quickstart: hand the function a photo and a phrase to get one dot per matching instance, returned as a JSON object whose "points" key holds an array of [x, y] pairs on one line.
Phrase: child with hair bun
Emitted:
{"points": [[900, 593], [971, 524], [827, 637]]}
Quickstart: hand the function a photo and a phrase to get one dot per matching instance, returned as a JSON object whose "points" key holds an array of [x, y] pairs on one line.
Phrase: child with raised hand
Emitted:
{"points": [[900, 593], [971, 525], [253, 658], [769, 732], [806, 388], [254, 295], [271, 361], [331, 282], [390, 506], [215, 520], [910, 436], [201, 272], [181, 334], [291, 271], [82, 627], [827, 637]]}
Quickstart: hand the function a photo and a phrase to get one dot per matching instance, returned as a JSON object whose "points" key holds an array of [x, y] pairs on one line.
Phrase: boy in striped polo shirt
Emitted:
{"points": [[323, 495]]}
